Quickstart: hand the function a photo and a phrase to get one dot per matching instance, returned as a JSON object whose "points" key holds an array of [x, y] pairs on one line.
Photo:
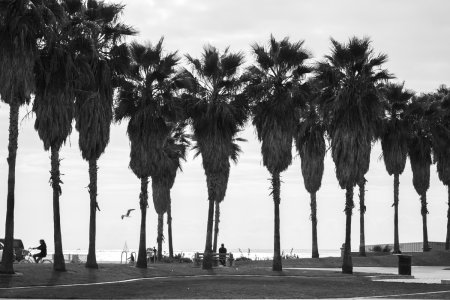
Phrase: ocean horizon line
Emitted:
{"points": [[119, 255]]}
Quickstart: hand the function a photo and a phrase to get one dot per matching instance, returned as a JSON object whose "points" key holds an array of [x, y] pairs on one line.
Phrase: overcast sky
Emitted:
{"points": [[414, 34]]}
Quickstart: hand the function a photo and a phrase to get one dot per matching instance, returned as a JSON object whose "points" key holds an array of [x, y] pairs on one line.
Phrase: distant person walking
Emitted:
{"points": [[43, 247], [222, 255]]}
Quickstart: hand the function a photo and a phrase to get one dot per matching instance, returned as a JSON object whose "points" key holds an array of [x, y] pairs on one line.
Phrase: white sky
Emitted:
{"points": [[413, 33]]}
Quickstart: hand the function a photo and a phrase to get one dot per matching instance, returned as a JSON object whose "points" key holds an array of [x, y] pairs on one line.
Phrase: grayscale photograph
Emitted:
{"points": [[224, 149]]}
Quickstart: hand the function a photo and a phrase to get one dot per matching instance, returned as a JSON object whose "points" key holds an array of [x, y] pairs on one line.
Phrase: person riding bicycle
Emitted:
{"points": [[43, 247]]}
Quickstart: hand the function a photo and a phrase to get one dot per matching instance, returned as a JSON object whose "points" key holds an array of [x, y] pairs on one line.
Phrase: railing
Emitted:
{"points": [[73, 258], [126, 256]]}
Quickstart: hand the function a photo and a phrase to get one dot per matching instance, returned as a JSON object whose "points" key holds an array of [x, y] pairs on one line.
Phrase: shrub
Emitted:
{"points": [[176, 259], [387, 248], [377, 248], [243, 258]]}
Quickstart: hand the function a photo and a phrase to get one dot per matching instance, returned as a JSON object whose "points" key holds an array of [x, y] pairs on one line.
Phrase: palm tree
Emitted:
{"points": [[394, 141], [350, 102], [147, 100], [103, 64], [276, 89], [21, 25], [419, 150], [54, 108], [173, 151], [440, 129], [217, 113], [310, 143]]}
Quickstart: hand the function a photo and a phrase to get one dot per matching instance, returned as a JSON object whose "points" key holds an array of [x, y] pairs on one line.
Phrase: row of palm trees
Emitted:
{"points": [[70, 55]]}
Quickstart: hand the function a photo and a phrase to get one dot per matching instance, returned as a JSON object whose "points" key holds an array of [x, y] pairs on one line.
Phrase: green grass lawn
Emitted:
{"points": [[244, 280]]}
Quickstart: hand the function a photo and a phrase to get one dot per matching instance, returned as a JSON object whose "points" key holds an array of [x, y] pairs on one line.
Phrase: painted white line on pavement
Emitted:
{"points": [[402, 295], [154, 278]]}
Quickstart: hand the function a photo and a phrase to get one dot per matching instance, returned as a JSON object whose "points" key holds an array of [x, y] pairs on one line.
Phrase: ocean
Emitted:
{"points": [[120, 256]]}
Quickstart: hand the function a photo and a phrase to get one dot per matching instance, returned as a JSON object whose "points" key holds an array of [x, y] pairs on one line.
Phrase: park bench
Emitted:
{"points": [[229, 259]]}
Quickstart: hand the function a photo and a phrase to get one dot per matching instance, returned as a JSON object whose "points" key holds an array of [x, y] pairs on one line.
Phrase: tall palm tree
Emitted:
{"points": [[441, 144], [419, 151], [147, 100], [173, 151], [21, 25], [350, 102], [394, 141], [103, 65], [54, 108], [310, 144], [277, 91], [179, 144], [217, 113]]}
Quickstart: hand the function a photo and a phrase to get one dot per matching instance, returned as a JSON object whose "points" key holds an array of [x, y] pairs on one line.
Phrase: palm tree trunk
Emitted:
{"points": [[347, 265], [6, 266], [276, 186], [396, 239], [143, 203], [362, 211], [216, 225], [59, 263], [169, 228], [207, 255], [315, 248], [447, 239], [159, 238], [91, 258], [424, 212]]}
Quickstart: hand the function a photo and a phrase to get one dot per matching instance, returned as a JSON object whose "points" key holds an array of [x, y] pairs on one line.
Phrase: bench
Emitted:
{"points": [[229, 259]]}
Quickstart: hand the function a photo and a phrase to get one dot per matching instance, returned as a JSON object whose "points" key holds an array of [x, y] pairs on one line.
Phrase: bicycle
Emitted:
{"points": [[28, 258]]}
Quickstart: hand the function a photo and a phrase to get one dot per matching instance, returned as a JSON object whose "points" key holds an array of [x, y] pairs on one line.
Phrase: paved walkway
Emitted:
{"points": [[421, 274]]}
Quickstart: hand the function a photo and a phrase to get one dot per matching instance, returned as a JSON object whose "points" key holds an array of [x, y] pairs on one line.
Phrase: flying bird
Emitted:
{"points": [[128, 213]]}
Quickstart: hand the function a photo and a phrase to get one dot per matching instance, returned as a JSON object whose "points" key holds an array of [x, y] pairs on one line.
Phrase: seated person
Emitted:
{"points": [[222, 255], [43, 247]]}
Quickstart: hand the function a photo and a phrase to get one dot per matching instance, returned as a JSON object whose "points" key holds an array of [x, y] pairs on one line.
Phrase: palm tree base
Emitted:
{"points": [[91, 265], [277, 266], [59, 264], [141, 265], [362, 251], [6, 271], [207, 261], [347, 270], [347, 265]]}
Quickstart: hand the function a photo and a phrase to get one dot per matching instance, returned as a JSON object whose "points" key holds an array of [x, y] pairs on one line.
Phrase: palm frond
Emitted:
{"points": [[274, 90], [351, 103]]}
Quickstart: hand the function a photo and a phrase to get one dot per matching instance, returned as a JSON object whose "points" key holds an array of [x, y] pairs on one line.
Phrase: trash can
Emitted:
{"points": [[404, 264]]}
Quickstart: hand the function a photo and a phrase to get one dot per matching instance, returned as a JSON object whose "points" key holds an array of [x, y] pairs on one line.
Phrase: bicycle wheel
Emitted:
{"points": [[24, 261], [47, 261]]}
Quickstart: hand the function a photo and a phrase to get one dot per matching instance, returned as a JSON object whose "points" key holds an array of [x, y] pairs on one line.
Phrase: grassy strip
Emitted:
{"points": [[245, 280]]}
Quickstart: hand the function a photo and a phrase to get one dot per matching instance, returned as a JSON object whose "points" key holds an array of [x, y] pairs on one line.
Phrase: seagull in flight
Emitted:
{"points": [[128, 213]]}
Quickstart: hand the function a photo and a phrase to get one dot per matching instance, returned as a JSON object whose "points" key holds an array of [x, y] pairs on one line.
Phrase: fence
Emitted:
{"points": [[411, 247], [73, 258]]}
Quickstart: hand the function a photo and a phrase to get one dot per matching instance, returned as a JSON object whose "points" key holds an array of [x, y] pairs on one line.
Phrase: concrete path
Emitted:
{"points": [[421, 274]]}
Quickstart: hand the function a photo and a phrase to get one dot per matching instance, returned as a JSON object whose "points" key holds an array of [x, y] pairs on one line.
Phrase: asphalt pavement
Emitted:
{"points": [[419, 274]]}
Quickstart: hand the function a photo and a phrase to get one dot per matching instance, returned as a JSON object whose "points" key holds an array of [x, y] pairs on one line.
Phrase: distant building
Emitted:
{"points": [[411, 247]]}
